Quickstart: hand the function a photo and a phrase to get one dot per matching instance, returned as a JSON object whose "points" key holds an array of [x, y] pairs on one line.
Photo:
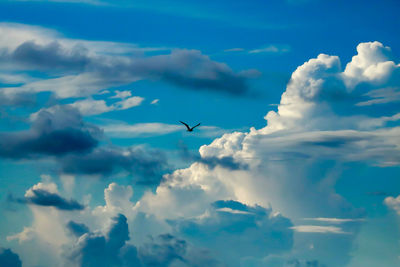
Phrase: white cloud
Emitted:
{"points": [[26, 235], [285, 156], [237, 49], [90, 106], [68, 182], [121, 94], [333, 220], [122, 130], [155, 102], [271, 49], [13, 35], [393, 203], [140, 129], [373, 64], [128, 103], [318, 229], [117, 198], [381, 96], [283, 162], [13, 78]]}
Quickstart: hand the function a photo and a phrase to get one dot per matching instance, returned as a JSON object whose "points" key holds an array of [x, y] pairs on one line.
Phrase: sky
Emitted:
{"points": [[296, 162]]}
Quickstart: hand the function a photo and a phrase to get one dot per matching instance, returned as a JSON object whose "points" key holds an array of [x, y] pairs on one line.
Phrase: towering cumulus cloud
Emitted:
{"points": [[295, 161]]}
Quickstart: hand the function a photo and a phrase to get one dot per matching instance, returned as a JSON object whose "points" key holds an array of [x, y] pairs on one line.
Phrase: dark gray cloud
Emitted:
{"points": [[77, 229], [148, 164], [112, 249], [53, 132], [332, 141], [183, 68], [51, 56], [60, 132], [163, 250], [42, 197], [9, 258], [97, 250], [168, 250], [191, 69]]}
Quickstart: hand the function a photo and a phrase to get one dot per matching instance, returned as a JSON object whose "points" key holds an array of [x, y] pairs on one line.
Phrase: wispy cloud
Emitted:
{"points": [[318, 229], [140, 129], [94, 107], [381, 96], [118, 129], [334, 220], [271, 49], [155, 101], [237, 49]]}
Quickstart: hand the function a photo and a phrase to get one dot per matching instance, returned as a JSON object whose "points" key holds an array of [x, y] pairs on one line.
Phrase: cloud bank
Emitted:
{"points": [[83, 68], [249, 216]]}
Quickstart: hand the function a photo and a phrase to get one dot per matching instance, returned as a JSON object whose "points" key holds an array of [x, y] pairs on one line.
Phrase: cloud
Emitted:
{"points": [[155, 102], [334, 220], [393, 203], [211, 161], [271, 49], [373, 63], [47, 195], [381, 96], [122, 94], [44, 198], [87, 67], [50, 56], [294, 162], [9, 258], [27, 234], [234, 49], [117, 199], [318, 229], [94, 107], [14, 78], [163, 251], [119, 129], [91, 107], [112, 249], [232, 228], [147, 164], [293, 165], [168, 250], [57, 131], [77, 229], [304, 263], [128, 103], [95, 249]]}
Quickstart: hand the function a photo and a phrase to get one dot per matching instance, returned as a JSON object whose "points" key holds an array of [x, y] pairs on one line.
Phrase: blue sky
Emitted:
{"points": [[295, 163]]}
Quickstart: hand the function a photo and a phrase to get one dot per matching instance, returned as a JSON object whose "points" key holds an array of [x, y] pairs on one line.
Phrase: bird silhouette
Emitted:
{"points": [[189, 129]]}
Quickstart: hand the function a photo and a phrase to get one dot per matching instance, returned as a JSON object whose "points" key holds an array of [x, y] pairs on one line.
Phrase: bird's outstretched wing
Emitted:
{"points": [[195, 126], [187, 126]]}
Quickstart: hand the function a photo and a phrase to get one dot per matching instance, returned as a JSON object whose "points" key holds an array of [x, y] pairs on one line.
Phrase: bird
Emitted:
{"points": [[189, 129]]}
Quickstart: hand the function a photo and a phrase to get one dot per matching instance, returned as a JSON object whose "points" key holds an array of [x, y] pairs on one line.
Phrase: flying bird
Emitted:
{"points": [[189, 129]]}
